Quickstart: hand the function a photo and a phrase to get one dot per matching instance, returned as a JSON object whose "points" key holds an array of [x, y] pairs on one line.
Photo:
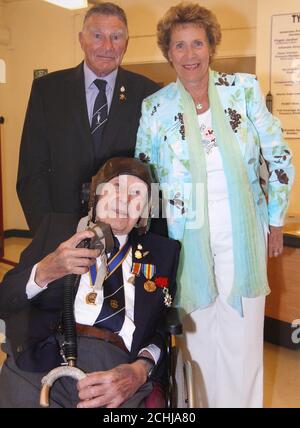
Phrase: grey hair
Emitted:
{"points": [[107, 8]]}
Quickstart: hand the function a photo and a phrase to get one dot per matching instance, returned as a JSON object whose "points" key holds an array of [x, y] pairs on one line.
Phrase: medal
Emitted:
{"points": [[149, 272], [90, 298], [136, 268], [150, 286], [167, 298], [163, 282]]}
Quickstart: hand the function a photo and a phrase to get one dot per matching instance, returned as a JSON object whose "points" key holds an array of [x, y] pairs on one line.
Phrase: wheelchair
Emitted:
{"points": [[2, 340], [180, 390]]}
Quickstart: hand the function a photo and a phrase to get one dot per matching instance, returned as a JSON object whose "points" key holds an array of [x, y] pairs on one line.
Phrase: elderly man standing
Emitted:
{"points": [[118, 321], [78, 118]]}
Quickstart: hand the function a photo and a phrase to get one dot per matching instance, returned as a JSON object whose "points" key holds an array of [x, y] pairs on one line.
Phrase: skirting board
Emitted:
{"points": [[282, 333], [17, 233]]}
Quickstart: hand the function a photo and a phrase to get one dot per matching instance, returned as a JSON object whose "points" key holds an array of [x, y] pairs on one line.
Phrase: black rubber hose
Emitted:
{"points": [[70, 342], [71, 283]]}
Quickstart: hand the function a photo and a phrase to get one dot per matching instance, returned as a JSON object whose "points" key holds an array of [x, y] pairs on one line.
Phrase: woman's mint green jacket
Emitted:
{"points": [[161, 139]]}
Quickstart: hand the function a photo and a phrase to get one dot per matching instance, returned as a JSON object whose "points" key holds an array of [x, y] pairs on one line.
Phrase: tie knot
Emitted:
{"points": [[101, 84], [117, 243], [115, 249]]}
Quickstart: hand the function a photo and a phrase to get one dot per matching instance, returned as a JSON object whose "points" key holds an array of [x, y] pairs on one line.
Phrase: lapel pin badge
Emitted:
{"points": [[122, 95], [139, 254]]}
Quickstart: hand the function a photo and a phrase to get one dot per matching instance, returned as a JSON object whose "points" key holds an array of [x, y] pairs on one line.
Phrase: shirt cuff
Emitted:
{"points": [[32, 289], [277, 224], [153, 350]]}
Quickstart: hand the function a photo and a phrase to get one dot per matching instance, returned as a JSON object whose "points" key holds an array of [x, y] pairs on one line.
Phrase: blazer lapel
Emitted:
{"points": [[143, 308], [232, 97], [119, 113], [174, 131], [77, 105]]}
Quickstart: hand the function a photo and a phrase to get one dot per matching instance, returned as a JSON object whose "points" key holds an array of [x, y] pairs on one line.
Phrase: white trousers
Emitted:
{"points": [[225, 349]]}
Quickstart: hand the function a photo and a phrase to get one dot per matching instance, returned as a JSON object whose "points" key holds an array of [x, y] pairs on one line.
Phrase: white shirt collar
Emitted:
{"points": [[122, 239]]}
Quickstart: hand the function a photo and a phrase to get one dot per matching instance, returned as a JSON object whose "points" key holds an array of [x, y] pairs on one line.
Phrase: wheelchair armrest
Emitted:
{"points": [[173, 324]]}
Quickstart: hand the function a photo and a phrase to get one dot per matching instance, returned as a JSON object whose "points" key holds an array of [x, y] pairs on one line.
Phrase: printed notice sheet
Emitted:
{"points": [[285, 72]]}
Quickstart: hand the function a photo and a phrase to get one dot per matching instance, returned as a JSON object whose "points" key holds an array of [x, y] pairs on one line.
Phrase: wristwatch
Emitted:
{"points": [[151, 364]]}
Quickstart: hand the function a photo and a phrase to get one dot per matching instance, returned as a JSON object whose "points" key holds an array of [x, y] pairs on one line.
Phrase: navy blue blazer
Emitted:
{"points": [[31, 325], [57, 152]]}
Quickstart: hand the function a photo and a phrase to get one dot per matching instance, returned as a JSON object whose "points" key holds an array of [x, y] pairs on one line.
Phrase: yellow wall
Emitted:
{"points": [[265, 9], [45, 36], [5, 55], [41, 37], [238, 27]]}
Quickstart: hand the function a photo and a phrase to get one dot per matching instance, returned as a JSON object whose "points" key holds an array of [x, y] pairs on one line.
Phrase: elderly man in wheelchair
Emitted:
{"points": [[91, 295]]}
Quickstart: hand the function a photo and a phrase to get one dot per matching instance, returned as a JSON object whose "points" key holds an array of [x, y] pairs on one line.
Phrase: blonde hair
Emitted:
{"points": [[188, 13]]}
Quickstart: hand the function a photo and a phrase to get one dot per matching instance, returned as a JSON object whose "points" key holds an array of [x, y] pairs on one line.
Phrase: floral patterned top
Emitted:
{"points": [[161, 139], [216, 179], [207, 133]]}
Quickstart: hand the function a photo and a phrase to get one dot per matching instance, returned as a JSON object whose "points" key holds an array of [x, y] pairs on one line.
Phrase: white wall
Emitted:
{"points": [[265, 10], [45, 36]]}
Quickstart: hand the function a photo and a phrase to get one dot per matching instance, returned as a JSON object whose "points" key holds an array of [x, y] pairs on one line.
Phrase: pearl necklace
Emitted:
{"points": [[199, 106]]}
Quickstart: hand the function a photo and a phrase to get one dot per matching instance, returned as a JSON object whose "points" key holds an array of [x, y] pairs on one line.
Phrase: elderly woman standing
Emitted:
{"points": [[207, 134]]}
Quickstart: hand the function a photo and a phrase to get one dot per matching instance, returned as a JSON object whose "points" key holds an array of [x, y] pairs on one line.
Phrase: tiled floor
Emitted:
{"points": [[282, 377], [282, 366]]}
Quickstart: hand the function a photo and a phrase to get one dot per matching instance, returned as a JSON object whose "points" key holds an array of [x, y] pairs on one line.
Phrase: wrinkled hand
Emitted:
{"points": [[112, 387], [275, 241], [66, 259]]}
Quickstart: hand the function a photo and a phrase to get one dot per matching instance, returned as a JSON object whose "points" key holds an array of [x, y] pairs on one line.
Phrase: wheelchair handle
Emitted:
{"points": [[173, 323]]}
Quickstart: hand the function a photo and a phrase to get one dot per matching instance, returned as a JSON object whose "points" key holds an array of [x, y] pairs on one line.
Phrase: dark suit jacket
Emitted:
{"points": [[56, 153], [30, 324]]}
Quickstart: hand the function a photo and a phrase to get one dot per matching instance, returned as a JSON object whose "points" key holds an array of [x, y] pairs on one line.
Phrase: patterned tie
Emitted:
{"points": [[100, 113], [112, 312]]}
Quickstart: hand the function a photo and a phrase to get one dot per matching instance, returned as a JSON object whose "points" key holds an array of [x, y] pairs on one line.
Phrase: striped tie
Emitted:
{"points": [[100, 115], [112, 312]]}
